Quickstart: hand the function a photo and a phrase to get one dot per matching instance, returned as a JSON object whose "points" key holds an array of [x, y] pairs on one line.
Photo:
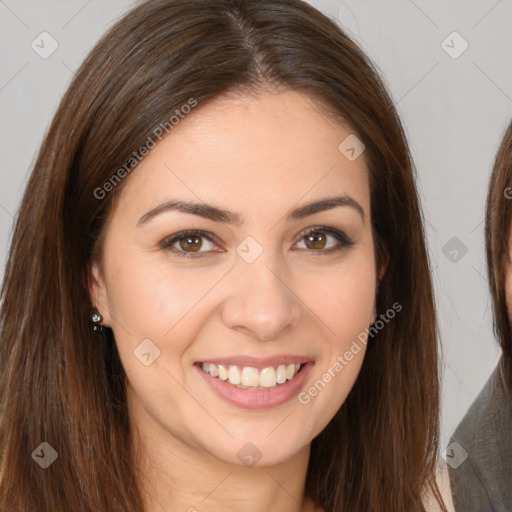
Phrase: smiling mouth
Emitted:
{"points": [[248, 377]]}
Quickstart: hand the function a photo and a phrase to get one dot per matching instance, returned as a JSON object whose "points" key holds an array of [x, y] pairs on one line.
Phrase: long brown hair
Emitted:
{"points": [[62, 384], [498, 225]]}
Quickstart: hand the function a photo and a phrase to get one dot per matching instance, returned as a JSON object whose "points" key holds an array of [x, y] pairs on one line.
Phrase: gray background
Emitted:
{"points": [[454, 109]]}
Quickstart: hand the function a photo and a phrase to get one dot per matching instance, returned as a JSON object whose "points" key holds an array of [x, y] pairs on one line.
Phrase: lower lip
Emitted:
{"points": [[258, 399]]}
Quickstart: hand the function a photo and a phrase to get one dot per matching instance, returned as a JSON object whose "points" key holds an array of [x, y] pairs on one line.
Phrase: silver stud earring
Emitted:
{"points": [[96, 318]]}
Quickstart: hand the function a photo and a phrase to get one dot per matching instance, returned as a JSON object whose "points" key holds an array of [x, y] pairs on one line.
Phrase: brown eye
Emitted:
{"points": [[316, 240], [192, 243], [324, 240]]}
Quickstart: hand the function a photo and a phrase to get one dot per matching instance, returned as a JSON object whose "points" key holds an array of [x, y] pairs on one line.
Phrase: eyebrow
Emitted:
{"points": [[217, 214]]}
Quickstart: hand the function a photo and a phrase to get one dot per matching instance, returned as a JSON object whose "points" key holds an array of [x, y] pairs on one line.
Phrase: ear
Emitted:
{"points": [[384, 265], [98, 293]]}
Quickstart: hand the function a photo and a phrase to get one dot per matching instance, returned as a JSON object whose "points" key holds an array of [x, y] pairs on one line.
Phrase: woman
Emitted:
{"points": [[228, 186], [480, 477]]}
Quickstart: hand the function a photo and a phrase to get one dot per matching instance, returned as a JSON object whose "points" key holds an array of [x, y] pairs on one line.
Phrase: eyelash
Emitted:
{"points": [[342, 238]]}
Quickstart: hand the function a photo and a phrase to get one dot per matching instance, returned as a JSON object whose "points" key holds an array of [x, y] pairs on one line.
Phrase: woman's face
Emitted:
{"points": [[249, 294]]}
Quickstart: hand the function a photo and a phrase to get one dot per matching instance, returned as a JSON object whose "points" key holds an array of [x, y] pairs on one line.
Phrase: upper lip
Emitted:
{"points": [[257, 362]]}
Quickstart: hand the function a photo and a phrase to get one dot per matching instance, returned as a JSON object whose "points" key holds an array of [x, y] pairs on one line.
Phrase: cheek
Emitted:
{"points": [[150, 298], [346, 306], [347, 303]]}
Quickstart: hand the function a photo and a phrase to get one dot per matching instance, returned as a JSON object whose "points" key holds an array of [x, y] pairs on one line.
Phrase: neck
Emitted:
{"points": [[177, 474]]}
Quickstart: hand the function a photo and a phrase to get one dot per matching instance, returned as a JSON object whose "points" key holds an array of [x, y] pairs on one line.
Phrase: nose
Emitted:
{"points": [[263, 305]]}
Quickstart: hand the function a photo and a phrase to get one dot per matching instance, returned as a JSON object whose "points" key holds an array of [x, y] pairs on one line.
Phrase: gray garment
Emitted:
{"points": [[483, 482]]}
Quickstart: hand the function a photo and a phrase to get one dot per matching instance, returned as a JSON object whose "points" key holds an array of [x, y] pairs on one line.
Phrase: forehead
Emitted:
{"points": [[266, 149]]}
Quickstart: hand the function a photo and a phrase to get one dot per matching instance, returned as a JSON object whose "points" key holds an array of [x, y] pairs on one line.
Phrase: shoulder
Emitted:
{"points": [[486, 425], [481, 449], [443, 484], [486, 407]]}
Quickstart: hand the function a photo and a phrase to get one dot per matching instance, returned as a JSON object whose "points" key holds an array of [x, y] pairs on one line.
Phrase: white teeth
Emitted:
{"points": [[234, 375], [281, 374], [268, 377], [249, 377], [223, 373]]}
